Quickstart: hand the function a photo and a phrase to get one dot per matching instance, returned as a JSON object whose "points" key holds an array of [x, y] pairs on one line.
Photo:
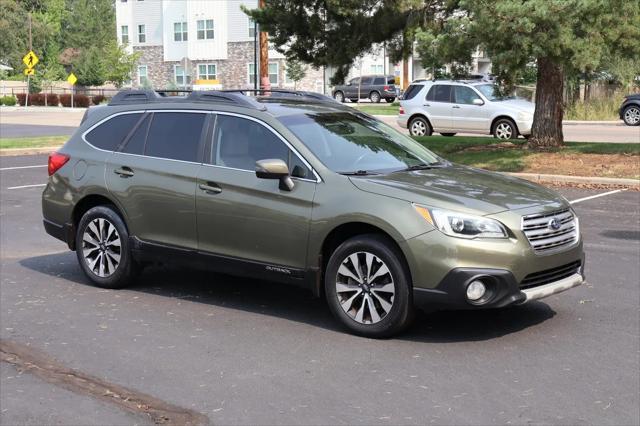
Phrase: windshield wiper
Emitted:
{"points": [[424, 166], [358, 173]]}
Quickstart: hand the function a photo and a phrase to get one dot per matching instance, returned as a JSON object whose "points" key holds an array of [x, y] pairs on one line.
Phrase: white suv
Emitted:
{"points": [[450, 107]]}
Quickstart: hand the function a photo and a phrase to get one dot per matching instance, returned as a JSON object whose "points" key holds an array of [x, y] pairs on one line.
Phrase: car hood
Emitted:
{"points": [[518, 105], [460, 188]]}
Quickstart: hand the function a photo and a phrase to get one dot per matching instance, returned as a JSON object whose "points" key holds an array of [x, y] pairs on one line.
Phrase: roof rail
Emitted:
{"points": [[131, 97], [299, 94]]}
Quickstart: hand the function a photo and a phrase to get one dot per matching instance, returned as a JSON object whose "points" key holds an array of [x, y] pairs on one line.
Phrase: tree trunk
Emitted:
{"points": [[547, 119]]}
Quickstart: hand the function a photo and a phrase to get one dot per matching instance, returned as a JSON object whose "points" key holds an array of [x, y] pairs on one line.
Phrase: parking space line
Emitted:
{"points": [[2, 169], [579, 200], [27, 186]]}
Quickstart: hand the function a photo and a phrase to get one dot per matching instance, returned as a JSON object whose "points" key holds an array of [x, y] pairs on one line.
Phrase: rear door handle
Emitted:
{"points": [[210, 188], [427, 105], [124, 172], [455, 106]]}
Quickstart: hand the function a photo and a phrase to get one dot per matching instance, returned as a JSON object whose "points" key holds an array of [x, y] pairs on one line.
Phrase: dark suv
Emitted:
{"points": [[295, 187], [630, 110], [373, 87]]}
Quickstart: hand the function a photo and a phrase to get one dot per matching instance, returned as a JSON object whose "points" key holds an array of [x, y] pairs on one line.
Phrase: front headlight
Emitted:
{"points": [[525, 116], [462, 225]]}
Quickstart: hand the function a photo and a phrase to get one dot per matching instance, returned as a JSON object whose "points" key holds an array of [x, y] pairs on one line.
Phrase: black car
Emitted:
{"points": [[630, 110], [373, 87]]}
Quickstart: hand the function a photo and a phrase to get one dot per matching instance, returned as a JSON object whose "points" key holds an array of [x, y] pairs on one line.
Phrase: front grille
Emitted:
{"points": [[543, 237], [550, 275]]}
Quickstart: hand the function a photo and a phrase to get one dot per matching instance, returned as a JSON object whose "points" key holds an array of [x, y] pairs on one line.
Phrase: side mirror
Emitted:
{"points": [[478, 101], [275, 169]]}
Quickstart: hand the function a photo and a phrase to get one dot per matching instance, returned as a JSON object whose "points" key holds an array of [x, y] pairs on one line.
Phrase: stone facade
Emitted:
{"points": [[231, 72]]}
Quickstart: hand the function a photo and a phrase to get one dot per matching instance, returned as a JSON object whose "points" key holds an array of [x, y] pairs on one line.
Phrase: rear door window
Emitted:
{"points": [[379, 81], [366, 81], [175, 135], [439, 93], [110, 134]]}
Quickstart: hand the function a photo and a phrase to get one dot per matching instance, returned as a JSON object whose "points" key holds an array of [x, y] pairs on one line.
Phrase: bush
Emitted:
{"points": [[80, 101], [52, 99], [21, 98], [97, 99], [36, 99], [8, 100]]}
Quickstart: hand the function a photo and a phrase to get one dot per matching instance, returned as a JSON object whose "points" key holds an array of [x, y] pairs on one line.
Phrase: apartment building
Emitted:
{"points": [[207, 43]]}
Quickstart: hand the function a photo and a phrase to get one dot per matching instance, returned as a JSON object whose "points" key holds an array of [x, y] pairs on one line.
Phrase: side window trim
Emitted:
{"points": [[104, 120], [208, 161]]}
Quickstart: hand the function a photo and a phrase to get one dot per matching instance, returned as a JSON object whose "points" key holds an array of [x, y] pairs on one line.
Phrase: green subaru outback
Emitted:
{"points": [[297, 188]]}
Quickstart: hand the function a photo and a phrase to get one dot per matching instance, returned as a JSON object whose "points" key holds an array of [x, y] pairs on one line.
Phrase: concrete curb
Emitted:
{"points": [[10, 152], [592, 123], [58, 108], [583, 180]]}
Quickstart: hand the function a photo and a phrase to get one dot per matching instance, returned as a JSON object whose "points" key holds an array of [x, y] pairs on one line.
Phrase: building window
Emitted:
{"points": [[180, 32], [377, 69], [143, 80], [207, 72], [205, 29], [181, 77], [252, 28], [142, 36], [273, 73], [124, 34]]}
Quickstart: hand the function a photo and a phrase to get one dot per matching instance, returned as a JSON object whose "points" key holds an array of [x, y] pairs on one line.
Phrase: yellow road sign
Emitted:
{"points": [[72, 79], [30, 59], [29, 71]]}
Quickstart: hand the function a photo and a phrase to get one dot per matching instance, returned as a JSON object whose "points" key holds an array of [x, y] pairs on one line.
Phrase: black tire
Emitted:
{"points": [[448, 134], [375, 97], [354, 100], [389, 100], [505, 129], [400, 313], [419, 126], [338, 96], [631, 115], [126, 270]]}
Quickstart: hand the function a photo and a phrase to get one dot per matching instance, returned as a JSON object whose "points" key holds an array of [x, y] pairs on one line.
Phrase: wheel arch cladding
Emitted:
{"points": [[91, 201]]}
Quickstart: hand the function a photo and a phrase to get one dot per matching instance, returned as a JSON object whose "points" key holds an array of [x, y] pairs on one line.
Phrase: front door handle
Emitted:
{"points": [[124, 172], [456, 106], [210, 188]]}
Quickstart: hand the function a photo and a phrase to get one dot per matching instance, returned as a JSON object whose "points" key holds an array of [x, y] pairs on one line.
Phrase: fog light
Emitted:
{"points": [[476, 290]]}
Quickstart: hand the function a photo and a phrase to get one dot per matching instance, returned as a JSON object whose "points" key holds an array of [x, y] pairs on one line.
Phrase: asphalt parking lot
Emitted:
{"points": [[251, 352]]}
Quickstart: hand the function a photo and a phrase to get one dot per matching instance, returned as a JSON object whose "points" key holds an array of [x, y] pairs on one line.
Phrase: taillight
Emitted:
{"points": [[56, 160], [401, 110], [386, 88]]}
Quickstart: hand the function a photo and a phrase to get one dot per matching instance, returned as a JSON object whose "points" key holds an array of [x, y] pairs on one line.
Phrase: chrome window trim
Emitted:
{"points": [[278, 135]]}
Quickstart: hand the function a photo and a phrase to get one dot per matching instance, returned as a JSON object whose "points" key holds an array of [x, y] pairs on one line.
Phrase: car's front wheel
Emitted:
{"points": [[419, 126], [389, 100], [368, 288], [505, 129], [338, 96], [631, 115], [102, 248]]}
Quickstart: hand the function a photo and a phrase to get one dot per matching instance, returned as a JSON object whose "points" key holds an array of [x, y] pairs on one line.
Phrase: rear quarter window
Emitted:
{"points": [[412, 91], [112, 132]]}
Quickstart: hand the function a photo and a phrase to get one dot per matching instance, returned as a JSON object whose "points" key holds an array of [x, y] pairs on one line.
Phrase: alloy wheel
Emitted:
{"points": [[504, 131], [365, 287], [632, 116], [418, 128], [101, 247]]}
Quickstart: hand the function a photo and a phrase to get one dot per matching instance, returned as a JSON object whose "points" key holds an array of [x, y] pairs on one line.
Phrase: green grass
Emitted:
{"points": [[381, 109], [38, 142], [603, 148]]}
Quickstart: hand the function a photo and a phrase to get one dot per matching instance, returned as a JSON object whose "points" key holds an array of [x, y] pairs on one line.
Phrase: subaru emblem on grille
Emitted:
{"points": [[554, 224]]}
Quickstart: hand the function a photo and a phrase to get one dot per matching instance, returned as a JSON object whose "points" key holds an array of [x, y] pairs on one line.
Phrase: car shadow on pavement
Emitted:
{"points": [[297, 304]]}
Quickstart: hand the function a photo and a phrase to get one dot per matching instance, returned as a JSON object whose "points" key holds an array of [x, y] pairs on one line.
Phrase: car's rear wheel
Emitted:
{"points": [[631, 115], [448, 134], [419, 126], [368, 288], [374, 97], [338, 96], [505, 129], [102, 248], [354, 100], [389, 100]]}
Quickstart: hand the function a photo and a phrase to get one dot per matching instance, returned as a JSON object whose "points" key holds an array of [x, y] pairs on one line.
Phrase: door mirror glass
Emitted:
{"points": [[478, 101], [275, 169]]}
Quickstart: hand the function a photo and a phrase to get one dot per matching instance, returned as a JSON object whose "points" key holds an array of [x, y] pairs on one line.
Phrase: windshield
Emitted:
{"points": [[356, 144], [491, 92]]}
